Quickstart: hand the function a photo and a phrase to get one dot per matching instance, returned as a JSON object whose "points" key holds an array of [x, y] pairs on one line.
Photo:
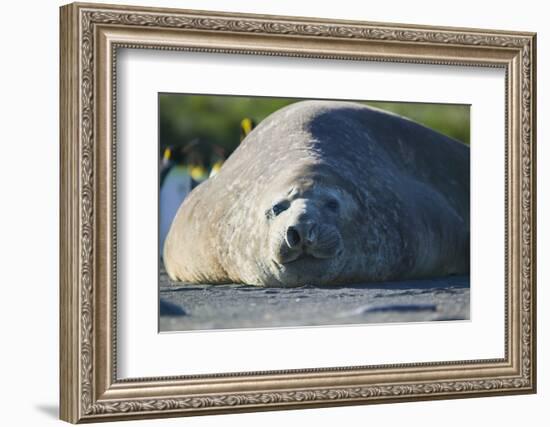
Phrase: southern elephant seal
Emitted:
{"points": [[328, 192]]}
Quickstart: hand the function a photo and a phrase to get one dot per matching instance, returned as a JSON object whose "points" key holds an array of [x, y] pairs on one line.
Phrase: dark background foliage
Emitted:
{"points": [[213, 122]]}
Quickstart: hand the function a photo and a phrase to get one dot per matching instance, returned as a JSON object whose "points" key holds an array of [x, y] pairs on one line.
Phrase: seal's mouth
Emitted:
{"points": [[310, 257], [306, 269], [306, 262]]}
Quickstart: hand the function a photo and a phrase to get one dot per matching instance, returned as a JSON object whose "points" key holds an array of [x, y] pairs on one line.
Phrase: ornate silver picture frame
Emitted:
{"points": [[91, 37]]}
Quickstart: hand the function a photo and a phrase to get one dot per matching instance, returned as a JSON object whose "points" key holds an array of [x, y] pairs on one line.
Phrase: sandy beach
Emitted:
{"points": [[185, 307]]}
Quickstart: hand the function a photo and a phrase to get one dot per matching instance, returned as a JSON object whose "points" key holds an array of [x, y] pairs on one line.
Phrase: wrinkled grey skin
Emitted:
{"points": [[326, 192]]}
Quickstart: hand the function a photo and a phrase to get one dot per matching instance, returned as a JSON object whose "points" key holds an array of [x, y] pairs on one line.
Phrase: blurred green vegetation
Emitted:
{"points": [[212, 122], [450, 119]]}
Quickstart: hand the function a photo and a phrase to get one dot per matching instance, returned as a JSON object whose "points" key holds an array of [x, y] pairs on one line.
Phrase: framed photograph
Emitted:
{"points": [[303, 228], [267, 212]]}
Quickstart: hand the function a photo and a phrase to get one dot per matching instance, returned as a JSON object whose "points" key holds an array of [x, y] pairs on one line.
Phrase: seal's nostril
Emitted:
{"points": [[310, 235], [292, 237]]}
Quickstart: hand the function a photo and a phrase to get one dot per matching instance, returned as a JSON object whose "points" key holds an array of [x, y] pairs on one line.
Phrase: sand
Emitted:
{"points": [[185, 307]]}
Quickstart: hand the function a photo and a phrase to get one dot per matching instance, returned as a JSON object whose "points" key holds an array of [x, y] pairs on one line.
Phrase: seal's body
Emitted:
{"points": [[323, 193]]}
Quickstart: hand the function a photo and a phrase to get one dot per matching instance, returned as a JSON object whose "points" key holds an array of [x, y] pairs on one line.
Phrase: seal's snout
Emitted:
{"points": [[302, 234], [308, 240]]}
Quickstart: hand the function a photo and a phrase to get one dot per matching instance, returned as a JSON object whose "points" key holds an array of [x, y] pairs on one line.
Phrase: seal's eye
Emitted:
{"points": [[278, 208], [333, 205]]}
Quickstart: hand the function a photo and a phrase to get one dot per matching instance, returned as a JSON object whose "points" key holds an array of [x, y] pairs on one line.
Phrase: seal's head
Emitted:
{"points": [[305, 240]]}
